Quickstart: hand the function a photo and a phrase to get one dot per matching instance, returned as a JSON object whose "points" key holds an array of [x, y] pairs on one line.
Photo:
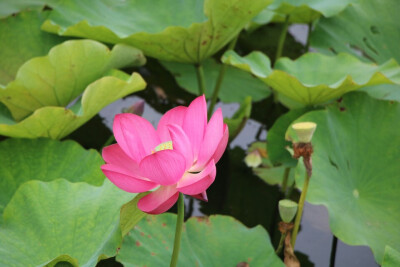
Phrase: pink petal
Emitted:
{"points": [[222, 145], [195, 183], [126, 181], [135, 135], [159, 201], [173, 116], [202, 196], [212, 138], [194, 123], [164, 167], [181, 144], [113, 154]]}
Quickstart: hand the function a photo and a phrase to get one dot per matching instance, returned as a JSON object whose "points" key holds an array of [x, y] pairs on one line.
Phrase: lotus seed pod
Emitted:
{"points": [[287, 210], [304, 131], [253, 159]]}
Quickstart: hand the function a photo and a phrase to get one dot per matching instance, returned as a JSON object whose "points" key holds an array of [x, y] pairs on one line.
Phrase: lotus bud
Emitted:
{"points": [[304, 131], [136, 108], [253, 159], [287, 210]]}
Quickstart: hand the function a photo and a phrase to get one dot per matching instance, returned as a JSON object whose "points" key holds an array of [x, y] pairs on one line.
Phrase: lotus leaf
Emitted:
{"points": [[182, 31], [356, 170], [45, 160], [391, 257], [315, 78], [214, 241], [304, 11], [384, 91], [53, 95], [15, 33], [369, 27], [8, 8], [50, 222], [368, 30]]}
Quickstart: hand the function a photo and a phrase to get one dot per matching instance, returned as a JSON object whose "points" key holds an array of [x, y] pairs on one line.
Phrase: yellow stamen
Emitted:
{"points": [[163, 146]]}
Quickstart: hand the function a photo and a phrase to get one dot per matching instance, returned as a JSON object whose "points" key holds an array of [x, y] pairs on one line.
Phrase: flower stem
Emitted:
{"points": [[333, 252], [280, 246], [178, 231], [285, 179], [300, 211], [200, 78], [221, 75], [282, 38]]}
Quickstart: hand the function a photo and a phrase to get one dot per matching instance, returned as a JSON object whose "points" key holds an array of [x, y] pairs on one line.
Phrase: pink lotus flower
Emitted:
{"points": [[179, 156]]}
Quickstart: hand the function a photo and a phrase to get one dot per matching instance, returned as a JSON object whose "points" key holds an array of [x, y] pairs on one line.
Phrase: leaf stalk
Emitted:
{"points": [[178, 231]]}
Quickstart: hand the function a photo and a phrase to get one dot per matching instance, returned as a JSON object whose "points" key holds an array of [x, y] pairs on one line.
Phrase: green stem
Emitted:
{"points": [[285, 179], [178, 231], [282, 38], [280, 246], [289, 191], [200, 79], [221, 75], [300, 211]]}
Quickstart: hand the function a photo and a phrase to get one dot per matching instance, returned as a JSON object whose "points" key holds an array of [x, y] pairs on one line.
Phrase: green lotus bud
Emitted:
{"points": [[287, 210], [253, 159], [304, 131]]}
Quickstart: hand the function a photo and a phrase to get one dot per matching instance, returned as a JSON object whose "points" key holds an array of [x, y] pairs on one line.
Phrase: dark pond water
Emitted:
{"points": [[236, 191]]}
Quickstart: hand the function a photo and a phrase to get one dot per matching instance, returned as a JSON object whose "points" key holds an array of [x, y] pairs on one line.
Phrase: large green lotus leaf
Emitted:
{"points": [[58, 122], [369, 27], [182, 31], [45, 85], [384, 91], [45, 160], [49, 222], [315, 78], [8, 8], [22, 39], [391, 257], [214, 241], [236, 86], [303, 11], [60, 77], [356, 170]]}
